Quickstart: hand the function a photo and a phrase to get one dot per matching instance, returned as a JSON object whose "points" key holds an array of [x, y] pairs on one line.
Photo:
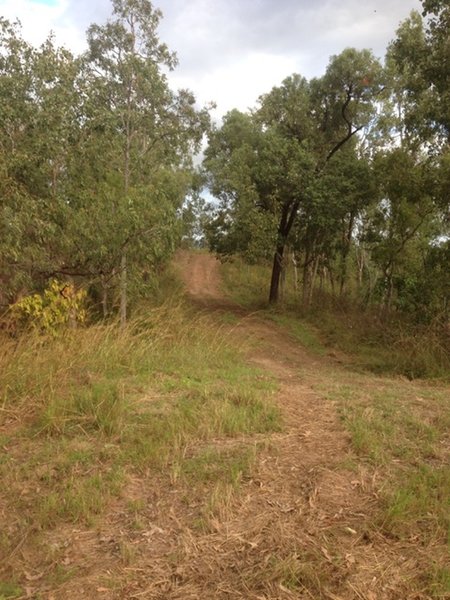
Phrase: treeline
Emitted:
{"points": [[95, 159], [347, 176]]}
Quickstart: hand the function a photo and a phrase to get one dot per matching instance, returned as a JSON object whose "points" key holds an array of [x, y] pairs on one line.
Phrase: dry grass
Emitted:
{"points": [[399, 432], [84, 413]]}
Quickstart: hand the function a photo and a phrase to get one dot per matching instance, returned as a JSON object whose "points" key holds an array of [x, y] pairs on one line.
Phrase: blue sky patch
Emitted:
{"points": [[46, 2]]}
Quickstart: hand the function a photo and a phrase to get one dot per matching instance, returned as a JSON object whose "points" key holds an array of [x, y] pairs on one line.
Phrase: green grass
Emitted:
{"points": [[391, 420], [9, 590], [389, 347], [401, 429], [420, 500], [78, 500], [159, 434], [395, 346], [84, 412], [212, 464], [439, 579], [302, 331], [248, 285]]}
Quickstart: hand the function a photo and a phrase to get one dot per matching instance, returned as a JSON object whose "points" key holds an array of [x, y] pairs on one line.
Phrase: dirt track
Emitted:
{"points": [[304, 504]]}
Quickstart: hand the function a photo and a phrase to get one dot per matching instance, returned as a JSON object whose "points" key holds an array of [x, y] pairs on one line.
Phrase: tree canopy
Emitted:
{"points": [[97, 157], [348, 172]]}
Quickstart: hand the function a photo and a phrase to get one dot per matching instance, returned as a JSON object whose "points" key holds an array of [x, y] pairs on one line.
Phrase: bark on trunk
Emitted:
{"points": [[347, 242], [360, 257], [276, 274], [123, 290], [104, 298], [287, 220], [312, 282], [294, 261], [306, 279]]}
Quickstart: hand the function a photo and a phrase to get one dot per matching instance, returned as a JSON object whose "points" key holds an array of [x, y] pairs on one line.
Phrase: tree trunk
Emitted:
{"points": [[385, 306], [389, 293], [276, 274], [306, 278], [294, 261], [282, 280], [347, 241], [104, 297], [360, 257], [332, 283], [312, 282], [123, 289], [287, 220], [129, 134]]}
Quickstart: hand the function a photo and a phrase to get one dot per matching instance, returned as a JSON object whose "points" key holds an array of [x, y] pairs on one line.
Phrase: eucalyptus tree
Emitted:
{"points": [[235, 162], [404, 218], [15, 113], [329, 219], [147, 131], [37, 124], [96, 154], [299, 128], [422, 61], [323, 116], [417, 221]]}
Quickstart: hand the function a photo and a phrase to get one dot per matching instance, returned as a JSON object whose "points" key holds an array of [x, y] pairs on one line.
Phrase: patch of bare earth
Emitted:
{"points": [[298, 528]]}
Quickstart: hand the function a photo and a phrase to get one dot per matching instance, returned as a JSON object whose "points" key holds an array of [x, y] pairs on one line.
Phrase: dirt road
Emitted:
{"points": [[310, 501]]}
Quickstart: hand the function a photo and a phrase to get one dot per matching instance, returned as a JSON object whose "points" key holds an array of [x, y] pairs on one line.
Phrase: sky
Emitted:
{"points": [[232, 51]]}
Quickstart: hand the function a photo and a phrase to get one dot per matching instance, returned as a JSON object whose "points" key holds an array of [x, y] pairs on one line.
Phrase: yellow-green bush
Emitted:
{"points": [[60, 304]]}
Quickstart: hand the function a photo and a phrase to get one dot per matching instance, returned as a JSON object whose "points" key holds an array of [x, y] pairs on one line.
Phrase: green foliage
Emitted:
{"points": [[96, 157], [59, 305], [420, 53], [317, 171], [274, 160]]}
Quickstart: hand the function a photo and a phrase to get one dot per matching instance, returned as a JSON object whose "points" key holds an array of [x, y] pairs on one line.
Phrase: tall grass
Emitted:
{"points": [[66, 377], [393, 344], [82, 409]]}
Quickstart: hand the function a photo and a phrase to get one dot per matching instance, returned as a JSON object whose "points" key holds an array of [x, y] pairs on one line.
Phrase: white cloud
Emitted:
{"points": [[39, 19], [231, 51], [239, 83]]}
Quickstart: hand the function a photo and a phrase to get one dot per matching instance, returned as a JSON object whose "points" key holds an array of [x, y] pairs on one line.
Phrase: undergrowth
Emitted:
{"points": [[382, 345]]}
